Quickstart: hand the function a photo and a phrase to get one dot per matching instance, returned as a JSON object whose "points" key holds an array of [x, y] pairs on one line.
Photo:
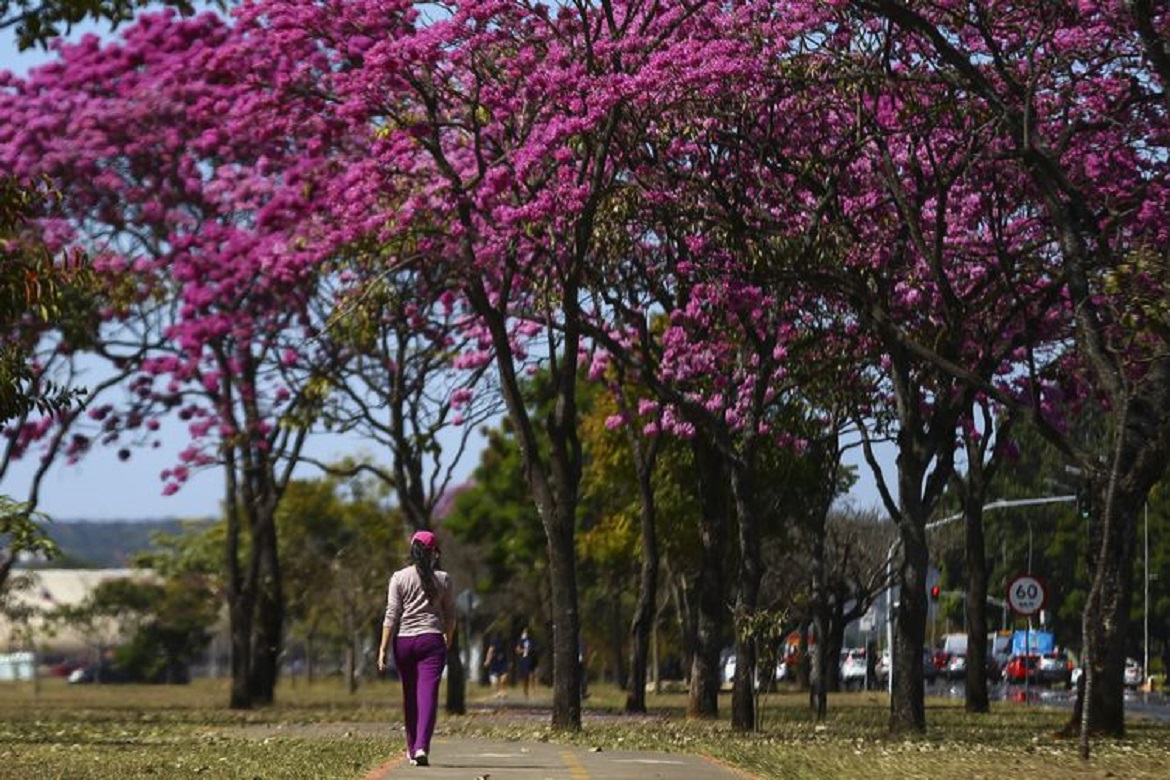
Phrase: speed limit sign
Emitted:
{"points": [[1026, 594]]}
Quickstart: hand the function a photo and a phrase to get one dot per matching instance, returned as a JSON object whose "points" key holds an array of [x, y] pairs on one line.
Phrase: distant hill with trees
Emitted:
{"points": [[108, 544]]}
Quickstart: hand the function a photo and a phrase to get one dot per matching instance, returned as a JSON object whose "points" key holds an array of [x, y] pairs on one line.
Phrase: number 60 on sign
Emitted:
{"points": [[1026, 594]]}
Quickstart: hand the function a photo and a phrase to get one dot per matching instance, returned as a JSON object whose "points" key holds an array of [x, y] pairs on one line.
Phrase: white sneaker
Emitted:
{"points": [[420, 759]]}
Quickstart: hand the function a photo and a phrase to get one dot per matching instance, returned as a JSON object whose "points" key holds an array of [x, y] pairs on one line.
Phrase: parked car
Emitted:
{"points": [[853, 668], [957, 666], [997, 666], [1134, 675], [1022, 668], [728, 667], [1055, 668], [881, 670], [97, 674], [929, 670], [1133, 679]]}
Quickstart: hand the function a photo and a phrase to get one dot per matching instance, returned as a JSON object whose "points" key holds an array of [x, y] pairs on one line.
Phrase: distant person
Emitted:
{"points": [[420, 622], [526, 661], [496, 663]]}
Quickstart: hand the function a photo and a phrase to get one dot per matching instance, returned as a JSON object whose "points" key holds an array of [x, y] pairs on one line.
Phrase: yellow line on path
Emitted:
{"points": [[577, 770]]}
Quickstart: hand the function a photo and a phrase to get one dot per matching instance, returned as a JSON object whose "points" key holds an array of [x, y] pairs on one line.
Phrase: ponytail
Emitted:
{"points": [[423, 558]]}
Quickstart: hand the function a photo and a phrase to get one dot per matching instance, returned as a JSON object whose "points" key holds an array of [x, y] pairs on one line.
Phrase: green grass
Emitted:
{"points": [[320, 731]]}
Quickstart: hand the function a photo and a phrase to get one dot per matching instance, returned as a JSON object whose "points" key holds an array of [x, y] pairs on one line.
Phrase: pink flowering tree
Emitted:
{"points": [[933, 279], [693, 246], [725, 371], [37, 289], [197, 218], [855, 206], [491, 129], [1076, 95], [916, 240]]}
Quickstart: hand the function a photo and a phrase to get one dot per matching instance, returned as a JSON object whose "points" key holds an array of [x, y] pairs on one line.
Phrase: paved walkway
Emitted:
{"points": [[475, 759]]}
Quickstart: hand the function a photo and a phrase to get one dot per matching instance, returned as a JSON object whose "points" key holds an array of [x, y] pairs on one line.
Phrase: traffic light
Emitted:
{"points": [[934, 592], [1085, 503]]}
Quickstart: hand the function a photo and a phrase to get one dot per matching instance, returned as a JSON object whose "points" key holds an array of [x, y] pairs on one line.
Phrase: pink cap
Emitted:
{"points": [[426, 539]]}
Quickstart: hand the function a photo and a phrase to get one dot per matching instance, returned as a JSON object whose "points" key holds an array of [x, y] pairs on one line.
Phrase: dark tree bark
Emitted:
{"points": [[704, 688], [456, 676], [977, 699], [973, 490], [646, 611], [239, 595], [819, 673], [743, 710], [268, 634], [907, 706]]}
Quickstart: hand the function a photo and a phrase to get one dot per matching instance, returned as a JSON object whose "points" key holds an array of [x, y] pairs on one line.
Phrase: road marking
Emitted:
{"points": [[648, 761], [577, 770], [520, 754]]}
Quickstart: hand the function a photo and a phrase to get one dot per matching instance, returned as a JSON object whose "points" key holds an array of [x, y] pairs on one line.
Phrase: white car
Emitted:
{"points": [[881, 670], [1134, 676], [728, 672], [853, 668]]}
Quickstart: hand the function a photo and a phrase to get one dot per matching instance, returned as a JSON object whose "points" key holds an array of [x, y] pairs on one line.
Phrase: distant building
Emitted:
{"points": [[46, 590]]}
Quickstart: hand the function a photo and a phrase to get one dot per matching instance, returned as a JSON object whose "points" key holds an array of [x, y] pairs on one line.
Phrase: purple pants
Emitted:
{"points": [[420, 661]]}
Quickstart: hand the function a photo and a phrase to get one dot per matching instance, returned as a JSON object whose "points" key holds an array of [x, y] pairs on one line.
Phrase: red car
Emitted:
{"points": [[1022, 668]]}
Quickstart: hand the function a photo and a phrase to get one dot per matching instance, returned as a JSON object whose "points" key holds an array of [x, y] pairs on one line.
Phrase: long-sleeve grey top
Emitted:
{"points": [[408, 607]]}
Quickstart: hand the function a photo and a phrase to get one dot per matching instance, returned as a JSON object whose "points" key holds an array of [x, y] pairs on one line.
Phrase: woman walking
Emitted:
{"points": [[420, 621]]}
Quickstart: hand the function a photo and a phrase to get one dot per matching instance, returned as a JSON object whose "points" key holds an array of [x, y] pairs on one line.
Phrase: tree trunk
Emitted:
{"points": [[239, 594], [703, 701], [240, 615], [351, 682], [645, 613], [804, 659], [907, 709], [456, 677], [567, 626], [1111, 550], [743, 710], [818, 674], [976, 608], [554, 481], [268, 641], [818, 691], [834, 644], [641, 629]]}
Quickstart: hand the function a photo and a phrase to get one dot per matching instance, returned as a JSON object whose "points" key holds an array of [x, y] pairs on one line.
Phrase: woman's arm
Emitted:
{"points": [[387, 635], [389, 622], [447, 611]]}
